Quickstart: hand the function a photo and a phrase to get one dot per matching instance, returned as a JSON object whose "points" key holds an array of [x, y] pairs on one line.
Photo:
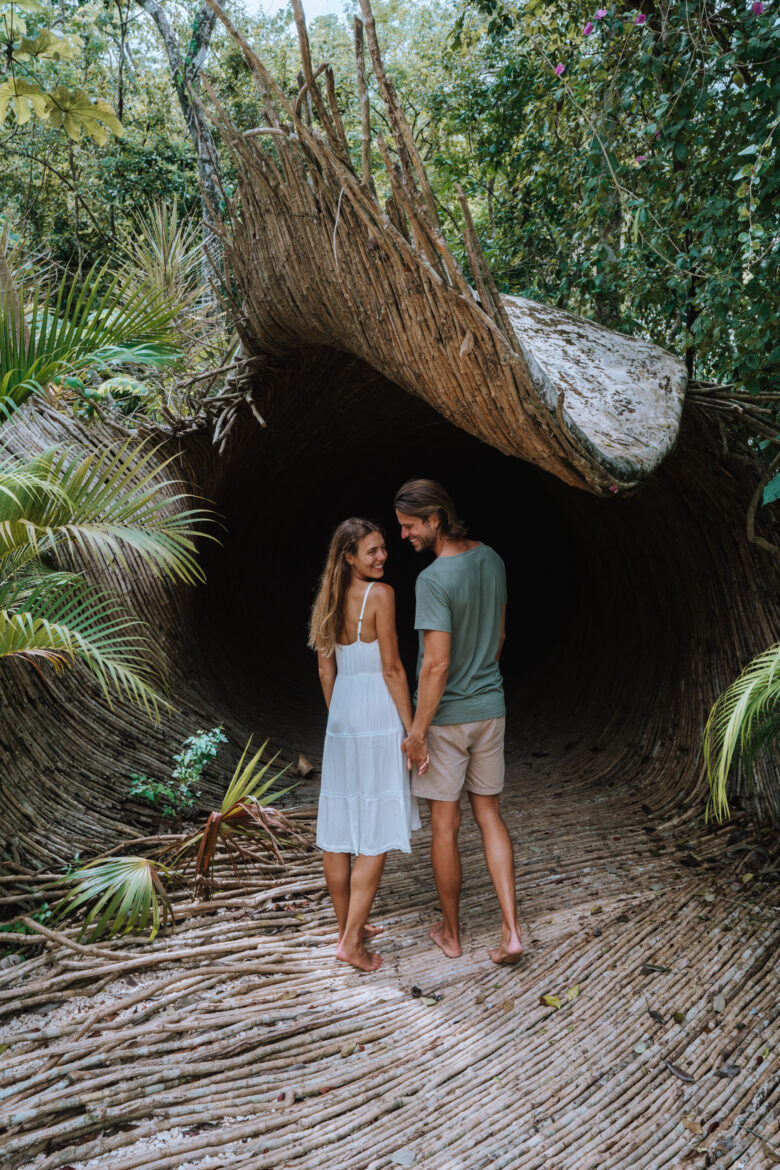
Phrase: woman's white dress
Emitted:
{"points": [[365, 802]]}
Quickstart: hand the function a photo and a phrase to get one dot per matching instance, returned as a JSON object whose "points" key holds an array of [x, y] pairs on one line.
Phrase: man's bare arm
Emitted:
{"points": [[502, 635], [433, 679]]}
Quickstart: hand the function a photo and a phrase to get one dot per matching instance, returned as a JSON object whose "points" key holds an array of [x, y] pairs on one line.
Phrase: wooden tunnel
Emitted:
{"points": [[635, 596]]}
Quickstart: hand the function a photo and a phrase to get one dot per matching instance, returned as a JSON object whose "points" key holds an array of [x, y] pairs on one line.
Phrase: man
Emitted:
{"points": [[459, 721]]}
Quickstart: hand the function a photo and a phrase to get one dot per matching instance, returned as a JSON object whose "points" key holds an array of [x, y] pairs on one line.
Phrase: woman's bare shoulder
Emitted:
{"points": [[383, 593]]}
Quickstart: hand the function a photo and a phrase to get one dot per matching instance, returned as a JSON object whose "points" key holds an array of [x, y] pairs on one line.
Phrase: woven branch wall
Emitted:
{"points": [[369, 357]]}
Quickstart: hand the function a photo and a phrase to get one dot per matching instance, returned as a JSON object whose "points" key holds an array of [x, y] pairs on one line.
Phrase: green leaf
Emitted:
{"points": [[552, 1001], [49, 45], [33, 6], [109, 321], [24, 98], [74, 111], [125, 893], [771, 491], [742, 721]]}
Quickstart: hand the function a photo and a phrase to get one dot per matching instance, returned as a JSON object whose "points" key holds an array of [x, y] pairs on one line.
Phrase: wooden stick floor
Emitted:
{"points": [[240, 1041]]}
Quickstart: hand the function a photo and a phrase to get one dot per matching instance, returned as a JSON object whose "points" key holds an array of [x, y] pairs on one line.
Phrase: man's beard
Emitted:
{"points": [[427, 542]]}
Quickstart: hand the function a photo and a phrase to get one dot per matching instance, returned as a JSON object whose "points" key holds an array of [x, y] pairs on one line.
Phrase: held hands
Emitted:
{"points": [[416, 750]]}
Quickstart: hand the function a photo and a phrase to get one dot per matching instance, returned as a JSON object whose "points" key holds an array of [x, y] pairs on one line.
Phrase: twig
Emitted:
{"points": [[766, 545]]}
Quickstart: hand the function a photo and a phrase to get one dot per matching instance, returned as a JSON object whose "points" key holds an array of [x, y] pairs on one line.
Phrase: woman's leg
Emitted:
{"points": [[363, 885], [336, 866]]}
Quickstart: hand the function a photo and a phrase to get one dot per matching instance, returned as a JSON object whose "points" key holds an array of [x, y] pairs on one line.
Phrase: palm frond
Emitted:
{"points": [[744, 719], [68, 330], [167, 249], [65, 618], [101, 503], [243, 809], [246, 779], [126, 893]]}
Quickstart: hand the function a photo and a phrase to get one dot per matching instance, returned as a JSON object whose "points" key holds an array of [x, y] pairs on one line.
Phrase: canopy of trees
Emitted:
{"points": [[620, 162]]}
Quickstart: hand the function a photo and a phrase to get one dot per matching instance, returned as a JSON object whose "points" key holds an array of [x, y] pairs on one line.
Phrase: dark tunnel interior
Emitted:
{"points": [[591, 587]]}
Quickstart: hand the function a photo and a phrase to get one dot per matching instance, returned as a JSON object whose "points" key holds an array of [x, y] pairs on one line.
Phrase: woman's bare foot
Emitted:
{"points": [[359, 957], [510, 949], [369, 931], [446, 942]]}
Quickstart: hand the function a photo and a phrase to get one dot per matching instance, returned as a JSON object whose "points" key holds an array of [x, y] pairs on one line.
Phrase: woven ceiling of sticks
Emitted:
{"points": [[367, 359], [321, 259]]}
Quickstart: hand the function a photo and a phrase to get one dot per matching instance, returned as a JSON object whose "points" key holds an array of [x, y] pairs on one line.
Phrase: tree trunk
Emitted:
{"points": [[185, 71]]}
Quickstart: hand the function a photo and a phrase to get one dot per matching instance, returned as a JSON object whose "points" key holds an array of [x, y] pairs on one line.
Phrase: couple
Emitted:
{"points": [[455, 736]]}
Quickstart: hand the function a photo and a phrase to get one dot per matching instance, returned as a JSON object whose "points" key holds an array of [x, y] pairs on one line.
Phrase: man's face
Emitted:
{"points": [[420, 533]]}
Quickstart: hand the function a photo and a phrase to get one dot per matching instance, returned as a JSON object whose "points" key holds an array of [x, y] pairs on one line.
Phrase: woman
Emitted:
{"points": [[365, 804]]}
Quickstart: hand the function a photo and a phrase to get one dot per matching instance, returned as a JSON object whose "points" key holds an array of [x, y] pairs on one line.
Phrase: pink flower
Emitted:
{"points": [[641, 157], [658, 133], [601, 13], [613, 487], [559, 70], [588, 29], [640, 19], [758, 8]]}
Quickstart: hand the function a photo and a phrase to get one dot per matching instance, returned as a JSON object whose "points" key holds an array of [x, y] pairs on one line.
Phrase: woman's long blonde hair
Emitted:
{"points": [[327, 616]]}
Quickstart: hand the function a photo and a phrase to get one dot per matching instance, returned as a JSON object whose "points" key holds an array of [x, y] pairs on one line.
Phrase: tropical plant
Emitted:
{"points": [[745, 719], [129, 891], [28, 92], [244, 812], [181, 793], [99, 505], [165, 246], [161, 248], [63, 332]]}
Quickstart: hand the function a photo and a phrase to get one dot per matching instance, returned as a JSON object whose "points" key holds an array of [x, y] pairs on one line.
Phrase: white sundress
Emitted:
{"points": [[365, 803]]}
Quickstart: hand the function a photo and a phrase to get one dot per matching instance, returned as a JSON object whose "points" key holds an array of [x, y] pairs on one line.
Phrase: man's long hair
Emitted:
{"points": [[327, 616], [426, 498]]}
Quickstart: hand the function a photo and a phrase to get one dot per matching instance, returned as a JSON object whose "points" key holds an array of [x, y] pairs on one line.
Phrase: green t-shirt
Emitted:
{"points": [[463, 596]]}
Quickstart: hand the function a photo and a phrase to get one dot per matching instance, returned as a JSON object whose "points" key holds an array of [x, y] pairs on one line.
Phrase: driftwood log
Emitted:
{"points": [[635, 595]]}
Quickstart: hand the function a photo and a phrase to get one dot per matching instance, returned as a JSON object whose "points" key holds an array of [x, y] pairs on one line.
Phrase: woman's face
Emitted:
{"points": [[368, 561]]}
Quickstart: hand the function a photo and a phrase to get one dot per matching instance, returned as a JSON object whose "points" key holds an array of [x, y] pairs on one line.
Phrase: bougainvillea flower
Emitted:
{"points": [[559, 70], [588, 29], [640, 19], [758, 8], [601, 13], [641, 157]]}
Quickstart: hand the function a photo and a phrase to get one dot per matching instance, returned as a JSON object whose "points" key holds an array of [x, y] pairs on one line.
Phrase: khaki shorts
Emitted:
{"points": [[463, 753]]}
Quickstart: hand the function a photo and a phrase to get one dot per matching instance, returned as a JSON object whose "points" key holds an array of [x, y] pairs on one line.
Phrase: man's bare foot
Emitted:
{"points": [[359, 957], [446, 942], [510, 949]]}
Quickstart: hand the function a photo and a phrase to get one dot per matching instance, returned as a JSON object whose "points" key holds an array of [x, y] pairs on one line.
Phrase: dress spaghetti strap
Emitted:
{"points": [[363, 609]]}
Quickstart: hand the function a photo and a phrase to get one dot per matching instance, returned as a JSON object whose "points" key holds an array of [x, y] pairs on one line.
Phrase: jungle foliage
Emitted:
{"points": [[621, 161], [99, 504]]}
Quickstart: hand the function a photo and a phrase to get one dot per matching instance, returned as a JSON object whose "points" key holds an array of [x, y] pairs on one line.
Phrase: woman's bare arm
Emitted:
{"points": [[326, 667], [392, 668]]}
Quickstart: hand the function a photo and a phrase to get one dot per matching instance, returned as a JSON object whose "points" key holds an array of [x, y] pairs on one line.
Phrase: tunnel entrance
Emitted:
{"points": [[262, 583], [600, 632]]}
